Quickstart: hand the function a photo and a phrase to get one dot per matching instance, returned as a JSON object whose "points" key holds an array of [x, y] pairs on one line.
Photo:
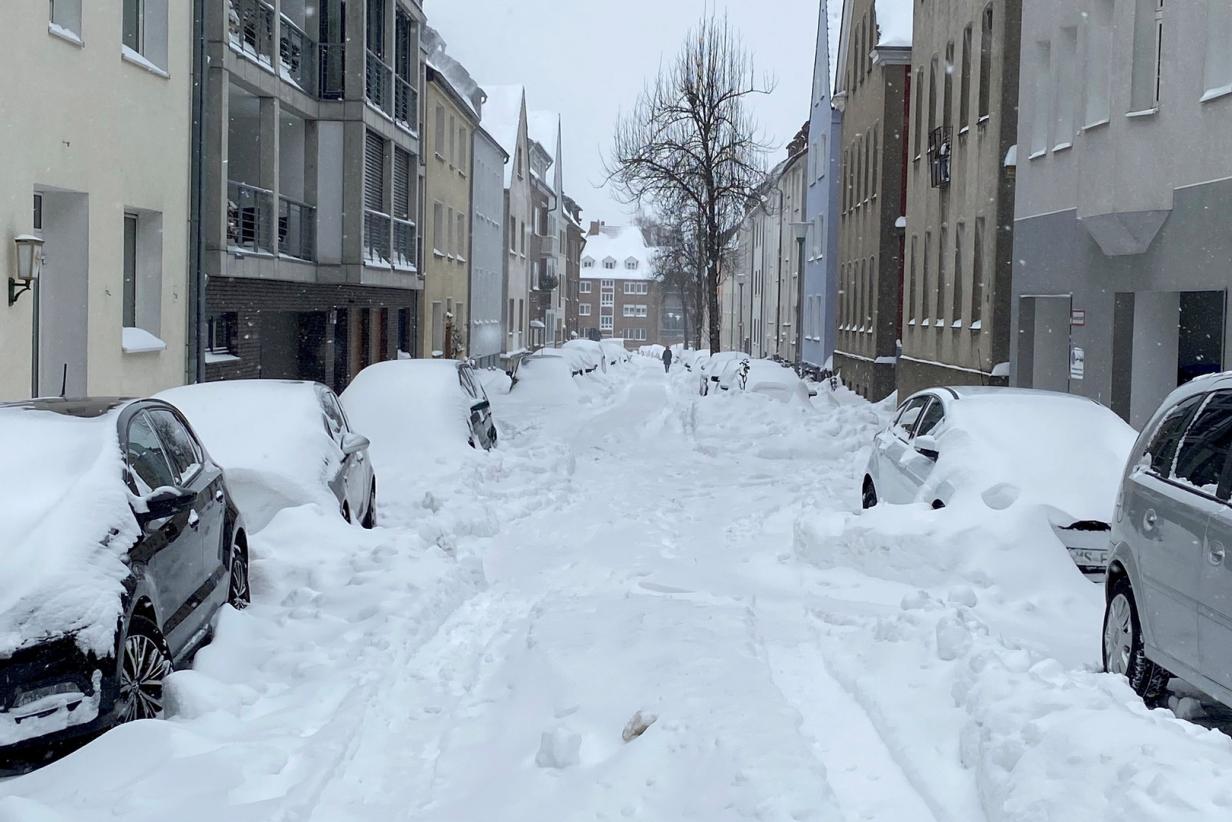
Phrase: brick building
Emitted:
{"points": [[619, 295]]}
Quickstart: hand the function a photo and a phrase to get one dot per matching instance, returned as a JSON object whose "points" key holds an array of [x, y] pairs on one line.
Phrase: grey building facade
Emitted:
{"points": [[309, 274], [1122, 255], [820, 289], [487, 326], [872, 91], [960, 195]]}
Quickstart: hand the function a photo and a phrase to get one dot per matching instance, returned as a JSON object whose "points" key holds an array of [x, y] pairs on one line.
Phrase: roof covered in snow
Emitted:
{"points": [[502, 118], [452, 73], [620, 244], [543, 127], [894, 23]]}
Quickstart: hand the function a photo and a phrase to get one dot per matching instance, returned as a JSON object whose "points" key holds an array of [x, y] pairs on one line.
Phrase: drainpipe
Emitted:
{"points": [[778, 267], [195, 365]]}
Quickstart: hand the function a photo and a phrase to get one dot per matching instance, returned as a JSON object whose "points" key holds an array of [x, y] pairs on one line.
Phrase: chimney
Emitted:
{"points": [[595, 226]]}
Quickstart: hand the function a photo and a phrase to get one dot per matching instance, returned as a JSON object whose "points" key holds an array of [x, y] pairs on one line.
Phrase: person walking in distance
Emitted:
{"points": [[667, 360]]}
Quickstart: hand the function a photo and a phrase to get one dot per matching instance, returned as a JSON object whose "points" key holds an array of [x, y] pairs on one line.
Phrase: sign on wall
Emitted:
{"points": [[1078, 317], [1077, 362]]}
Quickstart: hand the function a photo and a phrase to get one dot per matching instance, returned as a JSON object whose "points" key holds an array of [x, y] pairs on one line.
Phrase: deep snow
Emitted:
{"points": [[638, 558]]}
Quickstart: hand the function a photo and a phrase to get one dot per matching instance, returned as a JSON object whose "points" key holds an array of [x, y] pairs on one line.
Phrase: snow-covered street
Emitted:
{"points": [[651, 605]]}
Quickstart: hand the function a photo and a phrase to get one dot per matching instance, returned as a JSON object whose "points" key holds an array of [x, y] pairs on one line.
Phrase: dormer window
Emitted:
{"points": [[588, 263], [631, 264], [609, 263]]}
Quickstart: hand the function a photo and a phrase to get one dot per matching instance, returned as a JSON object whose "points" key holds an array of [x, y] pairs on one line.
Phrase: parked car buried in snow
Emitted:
{"points": [[1002, 446], [710, 368], [282, 443], [766, 377], [121, 545], [1169, 584]]}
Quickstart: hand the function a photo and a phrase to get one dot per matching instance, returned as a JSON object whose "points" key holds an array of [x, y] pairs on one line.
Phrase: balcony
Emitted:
{"points": [[549, 245], [249, 218], [377, 238], [251, 29], [331, 61], [406, 105], [378, 83], [298, 54], [297, 230], [405, 249], [940, 145]]}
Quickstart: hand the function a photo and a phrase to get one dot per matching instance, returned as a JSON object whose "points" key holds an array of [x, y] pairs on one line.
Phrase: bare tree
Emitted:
{"points": [[689, 145]]}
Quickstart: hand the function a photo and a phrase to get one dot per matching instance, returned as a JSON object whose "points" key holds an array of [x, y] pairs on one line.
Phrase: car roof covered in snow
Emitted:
{"points": [[79, 407]]}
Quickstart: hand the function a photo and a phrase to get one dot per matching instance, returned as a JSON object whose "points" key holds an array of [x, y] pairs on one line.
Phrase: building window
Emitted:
{"points": [[144, 30], [947, 103], [1218, 69], [38, 212], [584, 288], [130, 271], [1042, 116], [986, 63], [609, 263], [964, 89], [1099, 64], [631, 265], [438, 127], [66, 16], [438, 229], [1148, 55], [605, 322], [513, 235], [926, 280], [583, 309], [588, 263], [221, 337], [977, 276], [462, 243], [462, 149], [823, 157], [608, 285], [956, 312], [1066, 95], [918, 114], [607, 298]]}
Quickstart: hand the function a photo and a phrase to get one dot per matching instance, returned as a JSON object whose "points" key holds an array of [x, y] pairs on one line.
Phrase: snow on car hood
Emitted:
{"points": [[269, 437], [414, 412], [65, 526], [1062, 452]]}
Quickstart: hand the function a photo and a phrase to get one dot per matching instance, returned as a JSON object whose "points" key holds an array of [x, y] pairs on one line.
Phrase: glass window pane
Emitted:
{"points": [[930, 419], [130, 271], [178, 444], [1162, 448], [147, 463], [1204, 451]]}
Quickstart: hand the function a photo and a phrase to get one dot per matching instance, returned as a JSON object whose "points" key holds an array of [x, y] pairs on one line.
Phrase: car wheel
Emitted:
{"points": [[1123, 651], [145, 661], [370, 517], [868, 499], [239, 595]]}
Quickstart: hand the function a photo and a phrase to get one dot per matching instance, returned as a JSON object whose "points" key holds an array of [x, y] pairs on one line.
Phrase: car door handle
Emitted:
{"points": [[1149, 519], [1215, 553], [193, 519]]}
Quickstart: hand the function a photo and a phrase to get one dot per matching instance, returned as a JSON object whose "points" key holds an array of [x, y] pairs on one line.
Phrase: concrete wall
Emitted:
{"points": [[517, 267], [80, 120], [487, 312]]}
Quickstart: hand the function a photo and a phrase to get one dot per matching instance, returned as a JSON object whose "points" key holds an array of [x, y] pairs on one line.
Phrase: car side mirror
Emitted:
{"points": [[926, 446], [164, 503], [353, 443]]}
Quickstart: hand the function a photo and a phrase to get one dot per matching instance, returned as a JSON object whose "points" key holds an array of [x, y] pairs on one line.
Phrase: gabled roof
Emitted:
{"points": [[544, 128], [502, 118], [618, 244]]}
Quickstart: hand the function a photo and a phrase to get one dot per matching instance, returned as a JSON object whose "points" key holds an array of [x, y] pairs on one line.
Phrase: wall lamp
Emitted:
{"points": [[29, 265]]}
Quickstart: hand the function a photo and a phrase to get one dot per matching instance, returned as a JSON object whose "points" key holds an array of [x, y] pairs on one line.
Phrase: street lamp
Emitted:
{"points": [[29, 265]]}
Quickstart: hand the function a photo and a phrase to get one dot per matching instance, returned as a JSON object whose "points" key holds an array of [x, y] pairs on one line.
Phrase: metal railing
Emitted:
{"points": [[378, 83], [297, 229], [251, 28], [406, 105], [249, 218], [332, 64], [406, 245], [376, 237], [298, 53]]}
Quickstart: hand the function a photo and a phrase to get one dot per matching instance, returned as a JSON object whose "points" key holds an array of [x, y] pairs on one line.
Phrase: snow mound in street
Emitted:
{"points": [[65, 527], [269, 437]]}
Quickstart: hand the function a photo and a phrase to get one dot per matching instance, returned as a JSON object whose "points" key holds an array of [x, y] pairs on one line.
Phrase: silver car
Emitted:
{"points": [[1169, 583]]}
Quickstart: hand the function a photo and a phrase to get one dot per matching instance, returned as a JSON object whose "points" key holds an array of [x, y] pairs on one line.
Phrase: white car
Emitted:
{"points": [[709, 369], [589, 352], [1000, 447], [614, 351], [691, 358], [764, 377]]}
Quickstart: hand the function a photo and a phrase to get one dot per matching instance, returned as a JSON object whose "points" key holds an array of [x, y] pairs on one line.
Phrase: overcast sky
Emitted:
{"points": [[588, 60]]}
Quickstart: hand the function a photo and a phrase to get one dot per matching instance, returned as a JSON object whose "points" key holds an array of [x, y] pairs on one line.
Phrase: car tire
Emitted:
{"points": [[239, 593], [369, 521], [1123, 651], [145, 662], [868, 496]]}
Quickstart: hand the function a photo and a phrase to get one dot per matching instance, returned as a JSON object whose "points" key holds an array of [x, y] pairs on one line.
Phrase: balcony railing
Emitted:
{"points": [[406, 247], [940, 143], [332, 63], [249, 218], [379, 83], [406, 105], [251, 29], [376, 237], [298, 53], [297, 229]]}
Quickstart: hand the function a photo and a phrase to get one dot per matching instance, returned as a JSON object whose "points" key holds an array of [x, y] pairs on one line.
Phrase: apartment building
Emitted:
{"points": [[504, 117], [618, 294], [824, 164], [487, 254], [1121, 246], [575, 243], [544, 128], [453, 103], [543, 242], [872, 92], [312, 186], [94, 197], [960, 196]]}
